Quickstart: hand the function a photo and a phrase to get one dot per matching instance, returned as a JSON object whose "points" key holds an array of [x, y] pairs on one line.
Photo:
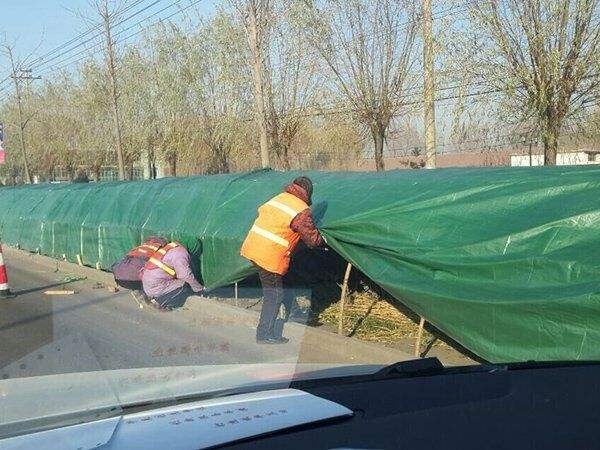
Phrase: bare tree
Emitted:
{"points": [[9, 52], [294, 80], [543, 56], [221, 82], [256, 15], [107, 14], [369, 47]]}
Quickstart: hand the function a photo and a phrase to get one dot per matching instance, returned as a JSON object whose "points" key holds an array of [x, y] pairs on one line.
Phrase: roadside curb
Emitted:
{"points": [[61, 265], [312, 338]]}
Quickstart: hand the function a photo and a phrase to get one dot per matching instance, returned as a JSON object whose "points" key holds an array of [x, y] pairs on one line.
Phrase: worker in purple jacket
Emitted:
{"points": [[167, 277]]}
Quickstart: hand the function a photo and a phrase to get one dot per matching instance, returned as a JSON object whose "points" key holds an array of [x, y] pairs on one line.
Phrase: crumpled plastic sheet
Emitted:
{"points": [[506, 261]]}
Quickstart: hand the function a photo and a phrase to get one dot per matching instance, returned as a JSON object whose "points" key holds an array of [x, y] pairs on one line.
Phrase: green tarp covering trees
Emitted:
{"points": [[506, 260]]}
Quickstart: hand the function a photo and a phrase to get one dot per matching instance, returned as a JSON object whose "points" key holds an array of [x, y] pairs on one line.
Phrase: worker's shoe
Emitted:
{"points": [[273, 340], [154, 304]]}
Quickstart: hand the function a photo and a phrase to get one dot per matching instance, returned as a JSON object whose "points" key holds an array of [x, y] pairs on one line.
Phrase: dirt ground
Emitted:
{"points": [[370, 317]]}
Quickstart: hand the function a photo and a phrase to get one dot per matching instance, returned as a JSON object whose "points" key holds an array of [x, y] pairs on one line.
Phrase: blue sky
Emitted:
{"points": [[26, 23], [48, 23]]}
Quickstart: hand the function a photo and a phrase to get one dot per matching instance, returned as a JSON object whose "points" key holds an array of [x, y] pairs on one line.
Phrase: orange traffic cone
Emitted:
{"points": [[4, 290]]}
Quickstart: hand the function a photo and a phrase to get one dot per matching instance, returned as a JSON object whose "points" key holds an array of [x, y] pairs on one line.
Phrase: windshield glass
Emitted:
{"points": [[208, 197]]}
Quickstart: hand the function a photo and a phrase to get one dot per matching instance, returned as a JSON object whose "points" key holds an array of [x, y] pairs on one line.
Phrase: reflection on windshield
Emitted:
{"points": [[105, 351], [196, 197]]}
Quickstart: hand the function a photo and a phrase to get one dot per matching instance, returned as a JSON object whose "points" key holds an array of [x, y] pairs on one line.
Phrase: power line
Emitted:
{"points": [[159, 20], [449, 12], [330, 111], [78, 38], [71, 41], [96, 36], [70, 61], [75, 39]]}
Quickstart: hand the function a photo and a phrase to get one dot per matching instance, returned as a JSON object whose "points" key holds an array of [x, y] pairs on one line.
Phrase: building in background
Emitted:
{"points": [[515, 156], [578, 158]]}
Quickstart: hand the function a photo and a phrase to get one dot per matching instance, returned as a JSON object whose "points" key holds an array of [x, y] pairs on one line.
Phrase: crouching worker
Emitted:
{"points": [[127, 271], [167, 277]]}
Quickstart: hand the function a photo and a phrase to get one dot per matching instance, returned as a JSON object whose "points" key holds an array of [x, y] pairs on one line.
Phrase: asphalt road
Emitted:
{"points": [[95, 329]]}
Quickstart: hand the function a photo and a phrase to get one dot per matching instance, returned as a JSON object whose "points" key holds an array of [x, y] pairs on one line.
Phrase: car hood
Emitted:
{"points": [[34, 403]]}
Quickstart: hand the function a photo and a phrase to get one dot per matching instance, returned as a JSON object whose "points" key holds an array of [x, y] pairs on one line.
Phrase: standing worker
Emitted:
{"points": [[281, 223], [168, 279]]}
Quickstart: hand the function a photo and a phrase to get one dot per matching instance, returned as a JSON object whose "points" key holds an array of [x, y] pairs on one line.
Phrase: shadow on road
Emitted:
{"points": [[51, 313], [41, 288]]}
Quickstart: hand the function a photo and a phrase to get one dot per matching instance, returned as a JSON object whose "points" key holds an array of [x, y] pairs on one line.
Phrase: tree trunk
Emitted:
{"points": [[285, 157], [550, 140], [173, 166], [70, 172], [112, 80], [223, 161], [151, 164], [254, 41], [378, 133]]}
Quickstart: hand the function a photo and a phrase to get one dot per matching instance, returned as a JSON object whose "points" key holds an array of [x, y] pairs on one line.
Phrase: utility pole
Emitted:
{"points": [[26, 75], [22, 122], [429, 85], [106, 17]]}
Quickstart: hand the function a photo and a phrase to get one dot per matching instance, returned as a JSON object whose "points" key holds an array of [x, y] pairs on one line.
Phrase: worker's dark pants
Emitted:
{"points": [[176, 298], [128, 284], [272, 286]]}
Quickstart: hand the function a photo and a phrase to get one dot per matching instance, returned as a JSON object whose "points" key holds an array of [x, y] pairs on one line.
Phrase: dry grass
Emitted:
{"points": [[371, 318]]}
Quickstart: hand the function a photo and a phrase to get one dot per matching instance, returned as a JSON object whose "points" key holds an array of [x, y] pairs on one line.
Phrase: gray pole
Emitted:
{"points": [[429, 86]]}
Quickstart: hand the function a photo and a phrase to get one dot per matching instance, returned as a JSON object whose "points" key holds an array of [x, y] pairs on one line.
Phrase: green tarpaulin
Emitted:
{"points": [[504, 260]]}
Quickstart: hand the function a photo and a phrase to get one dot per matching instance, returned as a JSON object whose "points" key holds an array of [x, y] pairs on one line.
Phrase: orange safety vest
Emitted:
{"points": [[144, 250], [155, 259], [271, 241]]}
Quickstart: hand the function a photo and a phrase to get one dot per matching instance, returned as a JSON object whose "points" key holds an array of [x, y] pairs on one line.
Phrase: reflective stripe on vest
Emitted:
{"points": [[166, 248], [143, 249], [162, 265], [268, 235], [271, 240], [155, 260], [285, 208]]}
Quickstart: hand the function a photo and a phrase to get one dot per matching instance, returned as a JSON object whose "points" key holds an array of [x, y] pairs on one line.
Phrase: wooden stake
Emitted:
{"points": [[419, 336], [343, 299], [79, 260], [98, 265]]}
